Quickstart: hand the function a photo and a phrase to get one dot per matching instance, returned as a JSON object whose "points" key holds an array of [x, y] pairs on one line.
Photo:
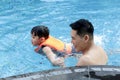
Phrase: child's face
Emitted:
{"points": [[35, 40]]}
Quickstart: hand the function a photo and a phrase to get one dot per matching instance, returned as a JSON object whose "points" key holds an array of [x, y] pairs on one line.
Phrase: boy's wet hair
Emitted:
{"points": [[83, 27], [40, 31]]}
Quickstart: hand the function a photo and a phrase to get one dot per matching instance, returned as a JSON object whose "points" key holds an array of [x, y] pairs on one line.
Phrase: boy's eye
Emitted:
{"points": [[33, 36]]}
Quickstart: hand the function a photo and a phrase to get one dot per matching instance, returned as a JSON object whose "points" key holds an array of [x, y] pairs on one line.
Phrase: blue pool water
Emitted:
{"points": [[17, 17]]}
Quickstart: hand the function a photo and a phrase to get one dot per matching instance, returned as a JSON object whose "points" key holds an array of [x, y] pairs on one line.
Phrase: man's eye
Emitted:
{"points": [[73, 38]]}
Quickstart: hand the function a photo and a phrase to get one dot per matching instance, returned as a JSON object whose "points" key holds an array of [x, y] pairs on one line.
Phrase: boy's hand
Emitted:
{"points": [[59, 61], [36, 50]]}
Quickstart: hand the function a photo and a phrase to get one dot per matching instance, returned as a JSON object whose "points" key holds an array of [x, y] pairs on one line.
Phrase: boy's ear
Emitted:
{"points": [[42, 39]]}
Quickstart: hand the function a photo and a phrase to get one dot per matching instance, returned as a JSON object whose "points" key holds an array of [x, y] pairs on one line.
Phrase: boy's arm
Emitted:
{"points": [[52, 56], [49, 53]]}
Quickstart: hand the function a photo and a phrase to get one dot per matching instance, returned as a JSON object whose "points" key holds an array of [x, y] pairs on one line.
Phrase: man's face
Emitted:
{"points": [[77, 41]]}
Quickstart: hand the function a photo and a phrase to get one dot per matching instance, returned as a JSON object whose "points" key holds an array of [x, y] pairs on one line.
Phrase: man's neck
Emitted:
{"points": [[88, 46]]}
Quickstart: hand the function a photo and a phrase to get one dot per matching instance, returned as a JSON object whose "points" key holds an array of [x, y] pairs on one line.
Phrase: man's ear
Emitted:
{"points": [[86, 38]]}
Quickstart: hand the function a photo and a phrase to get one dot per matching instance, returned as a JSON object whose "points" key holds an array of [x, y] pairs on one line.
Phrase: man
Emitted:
{"points": [[82, 39]]}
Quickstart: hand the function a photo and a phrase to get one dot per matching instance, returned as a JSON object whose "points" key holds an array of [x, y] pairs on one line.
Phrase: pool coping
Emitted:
{"points": [[98, 72]]}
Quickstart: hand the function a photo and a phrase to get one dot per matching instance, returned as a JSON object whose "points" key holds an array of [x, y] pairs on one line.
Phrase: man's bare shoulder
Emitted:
{"points": [[84, 60]]}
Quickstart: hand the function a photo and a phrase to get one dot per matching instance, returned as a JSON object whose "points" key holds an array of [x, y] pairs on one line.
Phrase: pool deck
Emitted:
{"points": [[72, 73]]}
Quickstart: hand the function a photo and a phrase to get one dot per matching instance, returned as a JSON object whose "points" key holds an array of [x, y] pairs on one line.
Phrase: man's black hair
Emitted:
{"points": [[83, 27]]}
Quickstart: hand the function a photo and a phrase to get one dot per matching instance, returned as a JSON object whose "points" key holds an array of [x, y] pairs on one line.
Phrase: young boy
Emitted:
{"points": [[53, 48]]}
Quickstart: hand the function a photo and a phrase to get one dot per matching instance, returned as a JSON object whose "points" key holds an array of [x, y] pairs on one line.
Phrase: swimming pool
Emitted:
{"points": [[17, 17]]}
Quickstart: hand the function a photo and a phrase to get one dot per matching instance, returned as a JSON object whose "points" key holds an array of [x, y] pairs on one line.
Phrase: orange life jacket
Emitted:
{"points": [[56, 45]]}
